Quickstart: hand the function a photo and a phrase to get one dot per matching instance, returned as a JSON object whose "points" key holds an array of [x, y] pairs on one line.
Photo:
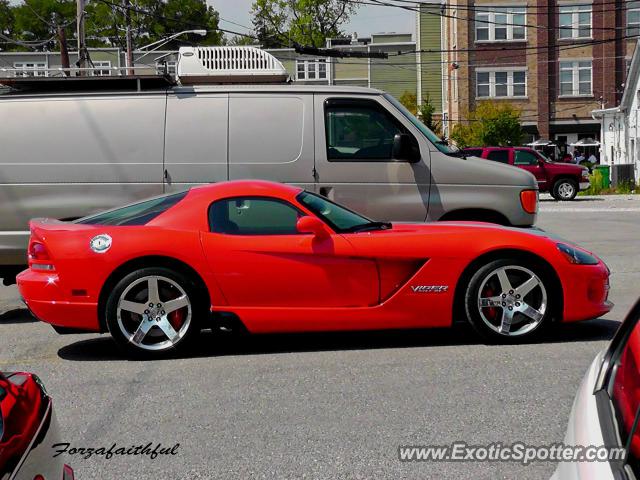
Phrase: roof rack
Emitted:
{"points": [[229, 65], [88, 84]]}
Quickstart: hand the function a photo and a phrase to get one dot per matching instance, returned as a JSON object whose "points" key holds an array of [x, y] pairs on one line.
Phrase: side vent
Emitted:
{"points": [[229, 65]]}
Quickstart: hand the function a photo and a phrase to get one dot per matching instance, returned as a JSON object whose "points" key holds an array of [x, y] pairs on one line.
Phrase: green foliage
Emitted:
{"points": [[410, 101], [491, 124], [39, 20], [151, 20], [307, 22], [425, 112], [7, 18]]}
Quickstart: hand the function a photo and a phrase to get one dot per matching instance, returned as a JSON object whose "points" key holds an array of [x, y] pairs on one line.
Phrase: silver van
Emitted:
{"points": [[67, 155]]}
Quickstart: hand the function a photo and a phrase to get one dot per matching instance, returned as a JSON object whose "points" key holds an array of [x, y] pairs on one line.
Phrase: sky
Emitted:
{"points": [[367, 20]]}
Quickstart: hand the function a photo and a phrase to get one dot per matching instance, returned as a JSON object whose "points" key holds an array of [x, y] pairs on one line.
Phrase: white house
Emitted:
{"points": [[620, 126]]}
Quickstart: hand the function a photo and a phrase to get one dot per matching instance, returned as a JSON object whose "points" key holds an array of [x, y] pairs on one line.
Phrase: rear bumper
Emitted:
{"points": [[49, 302]]}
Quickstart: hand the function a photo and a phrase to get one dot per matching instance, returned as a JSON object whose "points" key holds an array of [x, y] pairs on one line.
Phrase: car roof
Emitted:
{"points": [[247, 188]]}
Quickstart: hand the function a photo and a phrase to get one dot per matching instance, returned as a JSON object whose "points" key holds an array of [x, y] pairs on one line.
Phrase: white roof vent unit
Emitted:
{"points": [[229, 65]]}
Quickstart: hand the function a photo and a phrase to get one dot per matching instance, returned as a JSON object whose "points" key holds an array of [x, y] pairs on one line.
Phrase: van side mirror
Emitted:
{"points": [[406, 148], [313, 225]]}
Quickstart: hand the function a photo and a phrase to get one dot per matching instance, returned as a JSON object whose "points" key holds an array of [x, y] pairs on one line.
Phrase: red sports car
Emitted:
{"points": [[281, 259]]}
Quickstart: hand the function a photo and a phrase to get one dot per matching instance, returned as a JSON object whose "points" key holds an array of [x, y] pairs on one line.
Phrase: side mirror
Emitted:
{"points": [[405, 147], [313, 225]]}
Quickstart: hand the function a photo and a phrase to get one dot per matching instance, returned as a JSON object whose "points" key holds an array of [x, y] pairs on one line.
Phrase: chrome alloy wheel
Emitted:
{"points": [[512, 300], [154, 313], [566, 190]]}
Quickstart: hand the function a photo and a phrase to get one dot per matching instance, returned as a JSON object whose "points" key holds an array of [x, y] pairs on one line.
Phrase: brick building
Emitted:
{"points": [[555, 60]]}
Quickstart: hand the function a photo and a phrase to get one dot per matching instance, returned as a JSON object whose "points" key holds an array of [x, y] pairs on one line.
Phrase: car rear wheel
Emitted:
{"points": [[154, 312], [509, 301], [565, 189]]}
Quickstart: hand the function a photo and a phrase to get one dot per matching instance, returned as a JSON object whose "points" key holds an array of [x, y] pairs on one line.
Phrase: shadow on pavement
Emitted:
{"points": [[569, 202], [17, 315], [223, 344]]}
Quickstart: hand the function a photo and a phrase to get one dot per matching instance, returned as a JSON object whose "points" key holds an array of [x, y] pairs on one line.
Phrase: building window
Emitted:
{"points": [[169, 68], [633, 20], [575, 78], [311, 69], [575, 22], [101, 69], [30, 69], [501, 84], [501, 24]]}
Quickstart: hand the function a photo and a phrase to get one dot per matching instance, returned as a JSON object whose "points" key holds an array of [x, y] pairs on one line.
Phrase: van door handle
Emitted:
{"points": [[167, 178]]}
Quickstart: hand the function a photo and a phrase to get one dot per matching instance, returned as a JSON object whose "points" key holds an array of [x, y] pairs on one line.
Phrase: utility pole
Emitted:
{"points": [[81, 36], [64, 51], [127, 22]]}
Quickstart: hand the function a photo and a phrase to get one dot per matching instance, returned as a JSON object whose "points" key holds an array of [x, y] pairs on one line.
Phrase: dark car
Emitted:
{"points": [[562, 180], [28, 429]]}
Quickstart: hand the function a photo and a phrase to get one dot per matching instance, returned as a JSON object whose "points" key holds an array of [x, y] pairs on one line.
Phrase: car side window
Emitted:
{"points": [[501, 156], [359, 130], [523, 157], [253, 216]]}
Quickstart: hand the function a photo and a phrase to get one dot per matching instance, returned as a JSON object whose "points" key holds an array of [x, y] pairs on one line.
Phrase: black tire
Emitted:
{"points": [[481, 318], [565, 189], [152, 344]]}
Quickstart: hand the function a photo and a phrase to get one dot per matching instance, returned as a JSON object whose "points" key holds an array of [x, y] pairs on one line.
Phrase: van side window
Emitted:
{"points": [[523, 157], [253, 216], [501, 156], [359, 130]]}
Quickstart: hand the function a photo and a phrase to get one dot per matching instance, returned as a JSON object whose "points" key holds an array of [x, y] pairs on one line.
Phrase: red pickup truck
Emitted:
{"points": [[562, 180]]}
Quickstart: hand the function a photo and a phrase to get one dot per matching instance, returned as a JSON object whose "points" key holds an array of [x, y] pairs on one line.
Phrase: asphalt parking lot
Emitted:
{"points": [[330, 405]]}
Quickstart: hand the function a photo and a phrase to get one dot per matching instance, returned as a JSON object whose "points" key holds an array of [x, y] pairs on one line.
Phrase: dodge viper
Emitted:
{"points": [[277, 258]]}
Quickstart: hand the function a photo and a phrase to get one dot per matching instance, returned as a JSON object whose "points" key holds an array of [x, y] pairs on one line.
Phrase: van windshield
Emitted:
{"points": [[432, 137]]}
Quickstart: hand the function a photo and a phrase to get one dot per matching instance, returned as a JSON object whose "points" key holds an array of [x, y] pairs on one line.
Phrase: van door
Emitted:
{"points": [[271, 137], [67, 156], [196, 146], [354, 158]]}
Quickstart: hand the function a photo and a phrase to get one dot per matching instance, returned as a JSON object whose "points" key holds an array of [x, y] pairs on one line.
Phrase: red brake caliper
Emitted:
{"points": [[491, 312], [176, 319]]}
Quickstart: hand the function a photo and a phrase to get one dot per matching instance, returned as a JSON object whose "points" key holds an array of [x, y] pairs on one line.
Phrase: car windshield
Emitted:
{"points": [[341, 219], [440, 144], [135, 214]]}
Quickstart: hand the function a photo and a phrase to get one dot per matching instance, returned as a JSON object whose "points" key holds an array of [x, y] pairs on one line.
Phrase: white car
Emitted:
{"points": [[606, 411]]}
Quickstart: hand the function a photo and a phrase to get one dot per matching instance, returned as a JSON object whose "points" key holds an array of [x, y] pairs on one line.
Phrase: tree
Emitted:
{"points": [[491, 124], [306, 22], [426, 111], [410, 101], [38, 20], [151, 20], [7, 19]]}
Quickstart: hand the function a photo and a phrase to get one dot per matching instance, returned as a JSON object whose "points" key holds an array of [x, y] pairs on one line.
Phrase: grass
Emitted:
{"points": [[596, 187]]}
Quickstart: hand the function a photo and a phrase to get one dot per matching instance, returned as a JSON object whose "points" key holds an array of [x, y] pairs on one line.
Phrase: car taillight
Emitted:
{"points": [[529, 200], [39, 258], [67, 473]]}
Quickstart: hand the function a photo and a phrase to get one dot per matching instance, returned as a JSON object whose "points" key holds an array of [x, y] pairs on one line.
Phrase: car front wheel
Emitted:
{"points": [[565, 189], [509, 301], [153, 312]]}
